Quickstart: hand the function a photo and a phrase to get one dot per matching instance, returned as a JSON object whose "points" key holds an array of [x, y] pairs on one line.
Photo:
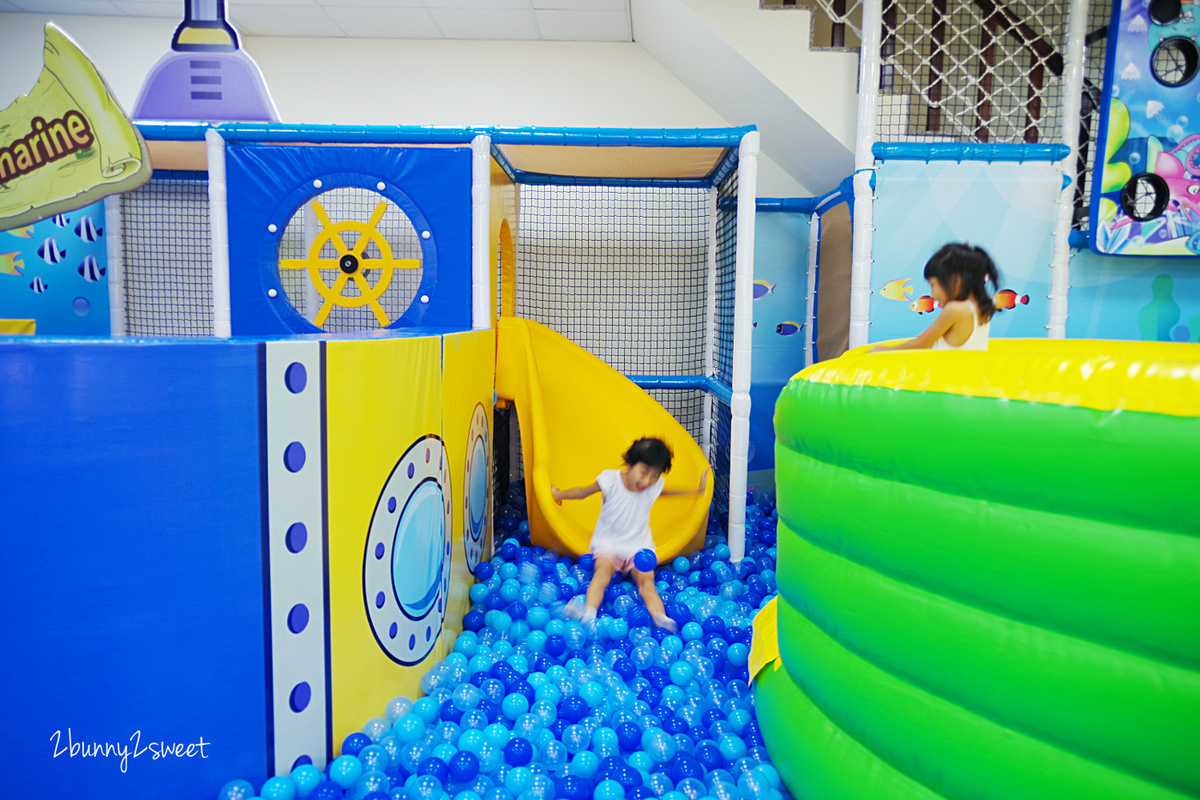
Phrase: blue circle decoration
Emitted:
{"points": [[413, 518], [293, 457], [300, 697], [477, 478], [297, 619], [81, 306], [296, 537], [295, 377]]}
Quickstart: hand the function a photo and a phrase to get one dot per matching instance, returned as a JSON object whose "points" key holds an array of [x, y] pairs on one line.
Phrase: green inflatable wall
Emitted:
{"points": [[989, 575]]}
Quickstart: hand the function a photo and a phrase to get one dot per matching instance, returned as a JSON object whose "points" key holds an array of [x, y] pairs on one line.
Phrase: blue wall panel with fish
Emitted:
{"points": [[55, 272], [780, 297], [1005, 207]]}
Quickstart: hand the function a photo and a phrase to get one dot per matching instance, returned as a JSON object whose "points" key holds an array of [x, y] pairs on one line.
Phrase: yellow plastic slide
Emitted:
{"points": [[578, 416]]}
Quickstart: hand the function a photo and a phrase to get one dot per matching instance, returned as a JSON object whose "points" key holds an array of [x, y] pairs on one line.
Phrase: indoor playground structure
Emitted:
{"points": [[298, 408], [278, 498]]}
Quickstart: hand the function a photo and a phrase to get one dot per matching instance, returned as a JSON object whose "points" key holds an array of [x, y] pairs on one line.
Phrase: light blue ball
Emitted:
{"points": [[345, 771], [681, 565], [609, 790], [584, 764], [514, 706], [236, 789], [731, 746], [427, 710], [306, 777]]}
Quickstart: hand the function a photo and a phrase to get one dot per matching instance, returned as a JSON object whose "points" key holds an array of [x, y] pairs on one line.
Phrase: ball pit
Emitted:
{"points": [[530, 705]]}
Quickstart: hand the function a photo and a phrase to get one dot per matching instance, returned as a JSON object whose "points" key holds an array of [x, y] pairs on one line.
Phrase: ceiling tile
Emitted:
{"points": [[385, 23], [6, 6], [484, 24], [372, 3], [584, 5], [95, 8], [476, 3], [584, 26], [281, 20], [137, 9]]}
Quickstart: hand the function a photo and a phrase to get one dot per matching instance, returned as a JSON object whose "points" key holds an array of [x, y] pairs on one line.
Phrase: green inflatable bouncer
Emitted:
{"points": [[989, 575]]}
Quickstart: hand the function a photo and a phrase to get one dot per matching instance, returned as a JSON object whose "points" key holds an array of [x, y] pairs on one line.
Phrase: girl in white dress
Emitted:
{"points": [[958, 275], [623, 527]]}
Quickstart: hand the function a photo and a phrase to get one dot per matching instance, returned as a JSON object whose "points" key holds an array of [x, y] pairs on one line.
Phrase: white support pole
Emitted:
{"points": [[312, 298], [710, 323], [1060, 263], [864, 162], [218, 221], [115, 249], [481, 182], [743, 330], [810, 313]]}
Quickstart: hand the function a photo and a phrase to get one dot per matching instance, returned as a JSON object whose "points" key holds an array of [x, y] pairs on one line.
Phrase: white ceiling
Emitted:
{"points": [[551, 20]]}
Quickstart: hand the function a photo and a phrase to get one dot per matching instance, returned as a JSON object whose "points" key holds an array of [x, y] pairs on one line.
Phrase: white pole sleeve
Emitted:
{"points": [[481, 284], [864, 162], [743, 330], [1060, 264], [710, 323], [312, 298], [810, 314], [115, 250], [218, 221]]}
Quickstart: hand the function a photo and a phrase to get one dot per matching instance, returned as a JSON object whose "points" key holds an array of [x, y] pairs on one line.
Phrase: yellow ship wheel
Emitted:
{"points": [[351, 264]]}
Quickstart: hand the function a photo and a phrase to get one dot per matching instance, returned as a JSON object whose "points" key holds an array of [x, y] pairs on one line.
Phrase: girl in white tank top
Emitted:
{"points": [[958, 275]]}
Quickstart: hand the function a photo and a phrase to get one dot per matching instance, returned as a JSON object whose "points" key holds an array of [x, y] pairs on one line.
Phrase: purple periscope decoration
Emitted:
{"points": [[205, 77]]}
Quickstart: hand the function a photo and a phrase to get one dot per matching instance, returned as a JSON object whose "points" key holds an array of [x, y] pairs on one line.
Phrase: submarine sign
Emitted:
{"points": [[67, 143]]}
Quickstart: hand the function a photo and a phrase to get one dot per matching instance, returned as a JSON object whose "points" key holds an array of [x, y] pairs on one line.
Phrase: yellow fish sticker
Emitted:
{"points": [[899, 289], [25, 232], [11, 264]]}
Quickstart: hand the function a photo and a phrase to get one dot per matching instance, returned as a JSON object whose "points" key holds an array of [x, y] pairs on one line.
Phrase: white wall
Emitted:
{"points": [[425, 82], [775, 42]]}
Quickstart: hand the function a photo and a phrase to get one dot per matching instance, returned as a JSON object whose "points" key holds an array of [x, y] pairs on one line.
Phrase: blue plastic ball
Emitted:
{"points": [[463, 766], [572, 787], [355, 742], [236, 789], [518, 752], [645, 560], [327, 790]]}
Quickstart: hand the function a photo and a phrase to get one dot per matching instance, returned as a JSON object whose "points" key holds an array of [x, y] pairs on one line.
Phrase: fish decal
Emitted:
{"points": [[25, 232], [923, 304], [87, 230], [899, 289], [1007, 298], [788, 328], [763, 288], [11, 264], [61, 220], [38, 285], [90, 269], [50, 252]]}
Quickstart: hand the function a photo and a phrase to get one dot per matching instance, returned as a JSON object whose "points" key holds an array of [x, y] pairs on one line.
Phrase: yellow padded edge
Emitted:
{"points": [[1154, 377]]}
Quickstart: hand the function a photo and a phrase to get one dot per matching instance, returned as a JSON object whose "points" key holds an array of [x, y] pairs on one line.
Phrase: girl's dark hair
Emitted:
{"points": [[963, 270], [654, 453]]}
